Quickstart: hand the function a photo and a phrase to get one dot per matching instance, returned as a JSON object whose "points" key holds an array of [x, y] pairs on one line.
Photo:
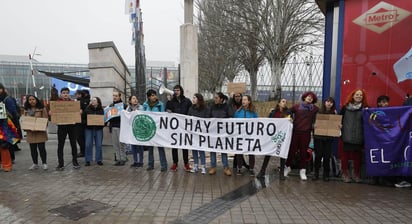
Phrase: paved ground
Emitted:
{"points": [[140, 196]]}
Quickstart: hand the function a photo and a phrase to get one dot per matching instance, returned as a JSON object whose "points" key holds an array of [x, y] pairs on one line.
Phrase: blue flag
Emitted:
{"points": [[388, 141]]}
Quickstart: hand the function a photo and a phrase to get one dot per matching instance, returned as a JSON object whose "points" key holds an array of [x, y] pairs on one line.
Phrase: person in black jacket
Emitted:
{"points": [[179, 104]]}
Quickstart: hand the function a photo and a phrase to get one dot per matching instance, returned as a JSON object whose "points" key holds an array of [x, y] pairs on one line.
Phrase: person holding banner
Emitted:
{"points": [[179, 104], [33, 107], [118, 147], [248, 110], [136, 149], [304, 114], [352, 133], [281, 111], [93, 133], [199, 109], [220, 109], [236, 103], [155, 105], [323, 144]]}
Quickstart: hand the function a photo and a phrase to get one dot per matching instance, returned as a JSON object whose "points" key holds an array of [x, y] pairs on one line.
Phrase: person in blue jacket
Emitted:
{"points": [[155, 105], [248, 110]]}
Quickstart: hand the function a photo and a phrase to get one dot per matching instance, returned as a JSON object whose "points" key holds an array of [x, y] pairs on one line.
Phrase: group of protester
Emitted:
{"points": [[303, 116]]}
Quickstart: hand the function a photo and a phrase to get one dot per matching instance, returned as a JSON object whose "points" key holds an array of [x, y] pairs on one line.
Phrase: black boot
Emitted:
{"points": [[316, 175]]}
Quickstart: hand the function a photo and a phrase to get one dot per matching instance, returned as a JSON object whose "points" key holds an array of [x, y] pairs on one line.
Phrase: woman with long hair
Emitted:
{"points": [[33, 107], [352, 133], [323, 144], [93, 133], [248, 110], [198, 109], [280, 111]]}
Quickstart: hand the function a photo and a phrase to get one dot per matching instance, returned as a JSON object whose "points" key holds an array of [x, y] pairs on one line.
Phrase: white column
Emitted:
{"points": [[189, 53]]}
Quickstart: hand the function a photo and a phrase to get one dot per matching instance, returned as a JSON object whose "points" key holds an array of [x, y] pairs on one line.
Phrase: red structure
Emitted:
{"points": [[363, 41]]}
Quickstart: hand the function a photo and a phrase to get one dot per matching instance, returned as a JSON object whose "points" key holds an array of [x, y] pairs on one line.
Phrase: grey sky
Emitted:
{"points": [[61, 29]]}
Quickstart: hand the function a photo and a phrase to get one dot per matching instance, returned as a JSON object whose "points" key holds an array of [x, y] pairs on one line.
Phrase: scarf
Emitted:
{"points": [[352, 106], [305, 106]]}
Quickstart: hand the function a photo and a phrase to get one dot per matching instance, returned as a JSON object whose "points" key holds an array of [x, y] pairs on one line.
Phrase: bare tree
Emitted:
{"points": [[250, 31], [288, 27], [217, 57]]}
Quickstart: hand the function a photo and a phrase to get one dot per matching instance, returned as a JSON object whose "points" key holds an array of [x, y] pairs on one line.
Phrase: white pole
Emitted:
{"points": [[32, 72]]}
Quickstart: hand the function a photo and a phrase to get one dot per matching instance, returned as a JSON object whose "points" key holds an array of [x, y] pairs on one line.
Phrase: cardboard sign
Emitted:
{"points": [[328, 125], [65, 112], [95, 120], [239, 87], [33, 123]]}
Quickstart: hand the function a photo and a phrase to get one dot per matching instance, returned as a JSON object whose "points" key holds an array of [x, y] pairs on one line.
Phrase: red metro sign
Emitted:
{"points": [[381, 17]]}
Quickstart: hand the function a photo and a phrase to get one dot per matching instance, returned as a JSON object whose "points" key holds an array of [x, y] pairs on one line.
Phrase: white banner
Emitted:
{"points": [[258, 136]]}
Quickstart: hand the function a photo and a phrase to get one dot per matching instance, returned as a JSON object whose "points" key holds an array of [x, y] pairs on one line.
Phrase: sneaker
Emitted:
{"points": [[133, 165], [149, 168], [357, 180], [60, 168], [203, 169], [261, 174], [302, 174], [44, 166], [403, 184], [345, 178], [187, 167], [163, 169], [34, 167], [120, 163], [174, 167], [252, 173], [194, 169], [76, 165], [87, 164], [212, 171], [100, 163], [287, 171], [139, 165], [227, 171], [239, 172]]}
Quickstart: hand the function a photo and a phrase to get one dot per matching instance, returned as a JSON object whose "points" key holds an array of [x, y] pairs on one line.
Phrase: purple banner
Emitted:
{"points": [[388, 141]]}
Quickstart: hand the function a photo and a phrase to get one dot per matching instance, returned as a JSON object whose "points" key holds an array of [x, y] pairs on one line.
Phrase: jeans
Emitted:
{"points": [[137, 150], [196, 156], [213, 160], [96, 136], [162, 157]]}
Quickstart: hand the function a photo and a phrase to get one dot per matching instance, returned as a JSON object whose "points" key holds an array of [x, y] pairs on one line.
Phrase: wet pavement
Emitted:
{"points": [[111, 194]]}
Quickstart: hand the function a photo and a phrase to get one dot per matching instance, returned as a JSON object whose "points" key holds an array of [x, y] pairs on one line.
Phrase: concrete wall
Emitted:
{"points": [[108, 72]]}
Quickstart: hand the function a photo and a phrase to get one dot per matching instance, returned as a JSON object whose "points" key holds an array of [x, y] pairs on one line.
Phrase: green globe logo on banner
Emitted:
{"points": [[144, 127]]}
